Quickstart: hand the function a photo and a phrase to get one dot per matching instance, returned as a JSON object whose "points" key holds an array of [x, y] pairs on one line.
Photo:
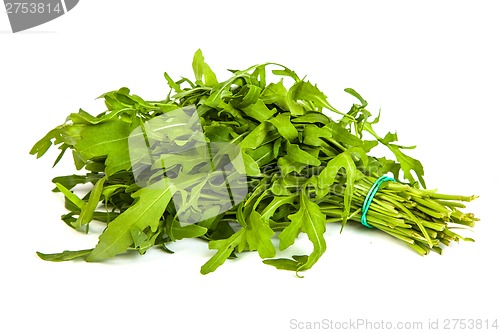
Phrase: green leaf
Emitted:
{"points": [[384, 165], [277, 202], [78, 159], [288, 165], [225, 248], [296, 109], [288, 264], [145, 212], [259, 111], [210, 78], [256, 137], [67, 134], [408, 164], [313, 135], [63, 149], [340, 134], [314, 225], [283, 264], [83, 117], [301, 156], [305, 91], [246, 96], [389, 137], [216, 132], [358, 96], [258, 236], [285, 72], [188, 231], [174, 85], [108, 191], [312, 118], [138, 236], [71, 196], [310, 220], [123, 96], [328, 176], [71, 181], [40, 148], [90, 206], [278, 189], [260, 74], [64, 256], [203, 71], [263, 155], [275, 93], [108, 140], [251, 166], [290, 233], [198, 61], [143, 240], [284, 126], [186, 160]]}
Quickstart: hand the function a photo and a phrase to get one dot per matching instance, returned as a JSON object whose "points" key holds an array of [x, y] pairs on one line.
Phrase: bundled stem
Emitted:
{"points": [[418, 217]]}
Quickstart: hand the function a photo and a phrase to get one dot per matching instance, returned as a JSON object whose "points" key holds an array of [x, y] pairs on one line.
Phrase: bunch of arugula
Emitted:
{"points": [[304, 170]]}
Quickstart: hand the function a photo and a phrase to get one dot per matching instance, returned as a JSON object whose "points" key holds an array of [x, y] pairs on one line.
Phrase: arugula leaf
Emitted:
{"points": [[263, 155], [225, 248], [296, 109], [110, 140], [288, 264], [278, 201], [312, 118], [282, 123], [203, 71], [146, 212], [258, 236], [142, 239], [64, 256], [305, 91], [313, 135], [40, 148], [246, 96], [314, 225], [407, 163], [276, 93], [354, 93], [71, 181], [288, 165], [312, 221], [71, 196], [188, 231], [256, 137], [328, 176], [299, 155], [259, 111], [90, 206], [174, 85]]}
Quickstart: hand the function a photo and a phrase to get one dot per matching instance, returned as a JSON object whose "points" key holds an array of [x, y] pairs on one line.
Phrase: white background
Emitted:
{"points": [[433, 68]]}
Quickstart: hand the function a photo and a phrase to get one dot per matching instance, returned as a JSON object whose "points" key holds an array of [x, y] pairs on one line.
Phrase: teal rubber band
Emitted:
{"points": [[369, 198]]}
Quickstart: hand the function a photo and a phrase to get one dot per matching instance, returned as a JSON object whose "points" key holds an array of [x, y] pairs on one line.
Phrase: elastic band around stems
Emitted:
{"points": [[369, 197]]}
